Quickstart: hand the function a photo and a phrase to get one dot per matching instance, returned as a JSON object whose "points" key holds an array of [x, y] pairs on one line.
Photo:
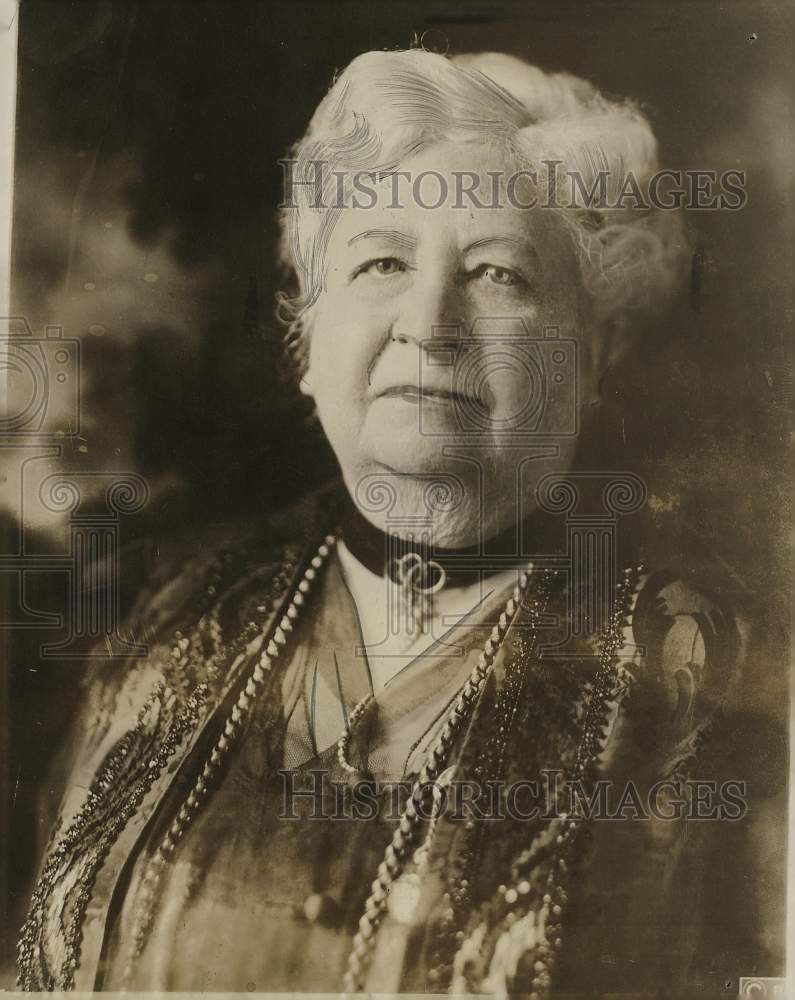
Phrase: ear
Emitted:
{"points": [[305, 384], [298, 345]]}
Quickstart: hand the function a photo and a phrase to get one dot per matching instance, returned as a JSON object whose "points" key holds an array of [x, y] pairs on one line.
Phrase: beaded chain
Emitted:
{"points": [[355, 774], [190, 652], [118, 790], [395, 856], [513, 898], [273, 645], [104, 802], [486, 768]]}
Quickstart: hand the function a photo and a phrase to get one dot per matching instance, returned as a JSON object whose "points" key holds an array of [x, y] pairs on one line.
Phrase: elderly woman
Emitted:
{"points": [[369, 745]]}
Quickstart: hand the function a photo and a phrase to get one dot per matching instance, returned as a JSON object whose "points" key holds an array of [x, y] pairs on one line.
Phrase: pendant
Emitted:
{"points": [[418, 580]]}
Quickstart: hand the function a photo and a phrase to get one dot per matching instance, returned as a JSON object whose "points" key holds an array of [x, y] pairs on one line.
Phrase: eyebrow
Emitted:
{"points": [[393, 235], [511, 241]]}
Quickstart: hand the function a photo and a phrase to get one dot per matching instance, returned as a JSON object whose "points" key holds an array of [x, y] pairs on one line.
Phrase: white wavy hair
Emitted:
{"points": [[387, 106]]}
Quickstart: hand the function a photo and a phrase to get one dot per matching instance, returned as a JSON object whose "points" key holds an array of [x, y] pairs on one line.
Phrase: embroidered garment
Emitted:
{"points": [[495, 895], [243, 865]]}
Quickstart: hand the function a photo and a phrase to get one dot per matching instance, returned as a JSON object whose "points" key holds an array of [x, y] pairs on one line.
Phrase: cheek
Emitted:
{"points": [[344, 343], [333, 346]]}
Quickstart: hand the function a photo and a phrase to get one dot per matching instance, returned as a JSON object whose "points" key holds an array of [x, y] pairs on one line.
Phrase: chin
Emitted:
{"points": [[406, 451], [419, 498]]}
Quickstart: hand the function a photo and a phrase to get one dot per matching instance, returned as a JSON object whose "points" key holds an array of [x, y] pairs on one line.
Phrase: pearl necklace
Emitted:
{"points": [[355, 774]]}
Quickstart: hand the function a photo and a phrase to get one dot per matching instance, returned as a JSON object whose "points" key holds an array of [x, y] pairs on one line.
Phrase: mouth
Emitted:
{"points": [[423, 394]]}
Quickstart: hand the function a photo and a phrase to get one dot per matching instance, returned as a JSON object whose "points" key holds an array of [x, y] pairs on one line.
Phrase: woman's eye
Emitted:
{"points": [[382, 267], [499, 275]]}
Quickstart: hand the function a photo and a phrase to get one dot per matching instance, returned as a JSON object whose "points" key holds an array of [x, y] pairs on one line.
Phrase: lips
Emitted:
{"points": [[421, 394]]}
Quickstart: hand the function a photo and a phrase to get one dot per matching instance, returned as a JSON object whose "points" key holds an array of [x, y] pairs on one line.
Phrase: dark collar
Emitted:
{"points": [[418, 561]]}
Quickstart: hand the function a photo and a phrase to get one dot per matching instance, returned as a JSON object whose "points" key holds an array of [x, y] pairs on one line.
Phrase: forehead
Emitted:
{"points": [[449, 157], [446, 190]]}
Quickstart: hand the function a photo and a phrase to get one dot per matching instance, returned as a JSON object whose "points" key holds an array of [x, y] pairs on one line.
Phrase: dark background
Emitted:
{"points": [[148, 136]]}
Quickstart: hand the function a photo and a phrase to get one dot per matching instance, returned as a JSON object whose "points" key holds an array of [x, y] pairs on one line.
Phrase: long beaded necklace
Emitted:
{"points": [[395, 857], [271, 647]]}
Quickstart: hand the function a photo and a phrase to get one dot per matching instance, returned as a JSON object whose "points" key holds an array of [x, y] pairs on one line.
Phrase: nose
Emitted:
{"points": [[429, 305]]}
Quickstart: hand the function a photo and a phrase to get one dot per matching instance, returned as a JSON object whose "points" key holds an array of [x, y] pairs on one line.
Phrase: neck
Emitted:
{"points": [[383, 552]]}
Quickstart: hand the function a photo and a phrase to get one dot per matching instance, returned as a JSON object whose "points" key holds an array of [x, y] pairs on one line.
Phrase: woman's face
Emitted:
{"points": [[428, 355]]}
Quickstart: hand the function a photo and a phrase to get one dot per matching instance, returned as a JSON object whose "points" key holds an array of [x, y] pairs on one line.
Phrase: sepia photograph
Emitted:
{"points": [[395, 571]]}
